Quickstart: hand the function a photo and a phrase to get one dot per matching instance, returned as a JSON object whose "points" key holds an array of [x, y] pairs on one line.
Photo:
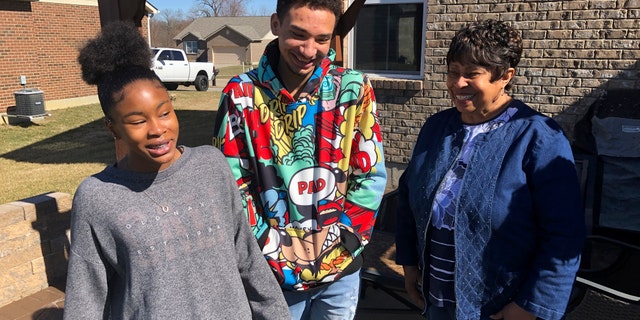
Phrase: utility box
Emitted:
{"points": [[29, 102]]}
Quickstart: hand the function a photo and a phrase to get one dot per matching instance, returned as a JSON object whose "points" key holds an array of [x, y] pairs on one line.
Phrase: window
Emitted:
{"points": [[170, 55], [164, 55], [177, 56], [191, 47], [388, 38]]}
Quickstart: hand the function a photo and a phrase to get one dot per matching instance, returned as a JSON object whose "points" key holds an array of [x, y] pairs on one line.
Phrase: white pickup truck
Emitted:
{"points": [[173, 68]]}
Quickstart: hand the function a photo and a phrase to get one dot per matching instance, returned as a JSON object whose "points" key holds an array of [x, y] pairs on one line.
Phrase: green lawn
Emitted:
{"points": [[228, 72], [60, 151]]}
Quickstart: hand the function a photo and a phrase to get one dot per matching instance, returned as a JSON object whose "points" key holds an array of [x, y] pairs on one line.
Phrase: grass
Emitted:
{"points": [[228, 72], [60, 151]]}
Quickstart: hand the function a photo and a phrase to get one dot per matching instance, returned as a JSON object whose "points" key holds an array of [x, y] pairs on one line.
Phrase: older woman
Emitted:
{"points": [[490, 216]]}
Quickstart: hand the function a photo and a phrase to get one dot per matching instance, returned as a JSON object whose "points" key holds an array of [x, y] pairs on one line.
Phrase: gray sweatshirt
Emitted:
{"points": [[168, 245]]}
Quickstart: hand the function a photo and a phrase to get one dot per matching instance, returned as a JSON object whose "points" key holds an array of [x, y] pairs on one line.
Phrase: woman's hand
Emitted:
{"points": [[413, 281], [512, 311]]}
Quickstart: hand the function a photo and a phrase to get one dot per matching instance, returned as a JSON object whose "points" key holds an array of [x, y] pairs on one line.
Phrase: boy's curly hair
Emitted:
{"points": [[283, 6], [118, 56]]}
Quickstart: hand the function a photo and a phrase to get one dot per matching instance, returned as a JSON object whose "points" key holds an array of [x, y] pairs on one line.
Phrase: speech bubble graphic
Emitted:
{"points": [[310, 185]]}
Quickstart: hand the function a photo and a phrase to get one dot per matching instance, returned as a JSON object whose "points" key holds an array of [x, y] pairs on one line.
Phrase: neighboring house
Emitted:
{"points": [[226, 41], [40, 41]]}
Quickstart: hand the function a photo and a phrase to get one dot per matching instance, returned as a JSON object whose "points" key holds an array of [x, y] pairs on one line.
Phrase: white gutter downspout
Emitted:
{"points": [[149, 16]]}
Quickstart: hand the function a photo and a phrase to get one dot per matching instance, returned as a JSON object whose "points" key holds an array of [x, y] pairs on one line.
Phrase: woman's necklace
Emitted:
{"points": [[165, 209], [124, 164]]}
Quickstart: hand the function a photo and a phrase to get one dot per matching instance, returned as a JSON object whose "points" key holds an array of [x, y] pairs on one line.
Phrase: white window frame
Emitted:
{"points": [[352, 45], [187, 51]]}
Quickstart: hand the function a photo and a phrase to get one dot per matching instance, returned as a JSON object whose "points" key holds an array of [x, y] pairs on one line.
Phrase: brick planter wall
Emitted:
{"points": [[33, 245]]}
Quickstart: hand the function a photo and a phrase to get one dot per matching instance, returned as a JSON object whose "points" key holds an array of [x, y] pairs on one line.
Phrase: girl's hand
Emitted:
{"points": [[412, 281]]}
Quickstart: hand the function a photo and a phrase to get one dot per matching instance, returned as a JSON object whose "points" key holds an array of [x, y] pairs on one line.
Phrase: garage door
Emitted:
{"points": [[228, 56]]}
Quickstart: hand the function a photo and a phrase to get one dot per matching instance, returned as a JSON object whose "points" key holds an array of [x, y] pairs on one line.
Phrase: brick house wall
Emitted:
{"points": [[574, 52], [40, 40]]}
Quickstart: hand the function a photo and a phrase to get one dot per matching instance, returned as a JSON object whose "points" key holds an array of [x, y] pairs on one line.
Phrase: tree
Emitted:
{"points": [[166, 25], [261, 10], [218, 8]]}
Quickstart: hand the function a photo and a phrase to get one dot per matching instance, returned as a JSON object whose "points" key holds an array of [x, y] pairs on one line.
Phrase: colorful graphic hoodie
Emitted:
{"points": [[310, 171]]}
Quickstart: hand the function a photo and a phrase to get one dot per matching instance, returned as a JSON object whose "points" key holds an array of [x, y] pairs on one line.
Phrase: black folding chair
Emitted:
{"points": [[379, 271], [607, 285]]}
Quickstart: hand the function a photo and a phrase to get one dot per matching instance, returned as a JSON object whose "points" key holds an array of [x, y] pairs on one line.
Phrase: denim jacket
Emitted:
{"points": [[519, 226]]}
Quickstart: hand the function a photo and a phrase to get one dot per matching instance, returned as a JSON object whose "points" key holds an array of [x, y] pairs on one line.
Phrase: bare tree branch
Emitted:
{"points": [[236, 8], [166, 25], [218, 8]]}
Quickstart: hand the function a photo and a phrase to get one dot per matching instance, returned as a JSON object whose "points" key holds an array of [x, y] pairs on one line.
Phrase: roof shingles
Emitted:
{"points": [[254, 28]]}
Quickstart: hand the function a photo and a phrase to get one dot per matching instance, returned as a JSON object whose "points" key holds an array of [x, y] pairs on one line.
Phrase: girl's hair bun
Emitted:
{"points": [[119, 46]]}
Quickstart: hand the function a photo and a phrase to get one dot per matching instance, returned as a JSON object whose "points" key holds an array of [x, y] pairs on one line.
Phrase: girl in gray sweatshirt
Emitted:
{"points": [[161, 234]]}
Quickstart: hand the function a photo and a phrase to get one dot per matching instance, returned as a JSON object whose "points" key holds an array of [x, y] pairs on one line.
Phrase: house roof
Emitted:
{"points": [[150, 8], [254, 28]]}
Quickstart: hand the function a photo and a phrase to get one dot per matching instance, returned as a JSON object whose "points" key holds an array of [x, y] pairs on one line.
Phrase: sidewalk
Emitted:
{"points": [[48, 304], [375, 304]]}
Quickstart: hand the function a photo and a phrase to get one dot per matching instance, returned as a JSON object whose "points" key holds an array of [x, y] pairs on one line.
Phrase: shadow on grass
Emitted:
{"points": [[91, 143]]}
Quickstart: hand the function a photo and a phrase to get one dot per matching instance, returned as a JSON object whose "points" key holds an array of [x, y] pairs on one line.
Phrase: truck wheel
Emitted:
{"points": [[171, 86], [201, 83]]}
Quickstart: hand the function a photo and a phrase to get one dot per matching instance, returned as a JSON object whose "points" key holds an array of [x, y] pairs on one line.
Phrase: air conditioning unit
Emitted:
{"points": [[29, 102]]}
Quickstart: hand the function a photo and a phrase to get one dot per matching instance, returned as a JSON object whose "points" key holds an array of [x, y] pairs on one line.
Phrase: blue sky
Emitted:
{"points": [[263, 7]]}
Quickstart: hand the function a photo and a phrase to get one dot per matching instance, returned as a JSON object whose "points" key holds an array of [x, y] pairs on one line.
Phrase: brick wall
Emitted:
{"points": [[40, 40], [33, 245], [575, 51]]}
